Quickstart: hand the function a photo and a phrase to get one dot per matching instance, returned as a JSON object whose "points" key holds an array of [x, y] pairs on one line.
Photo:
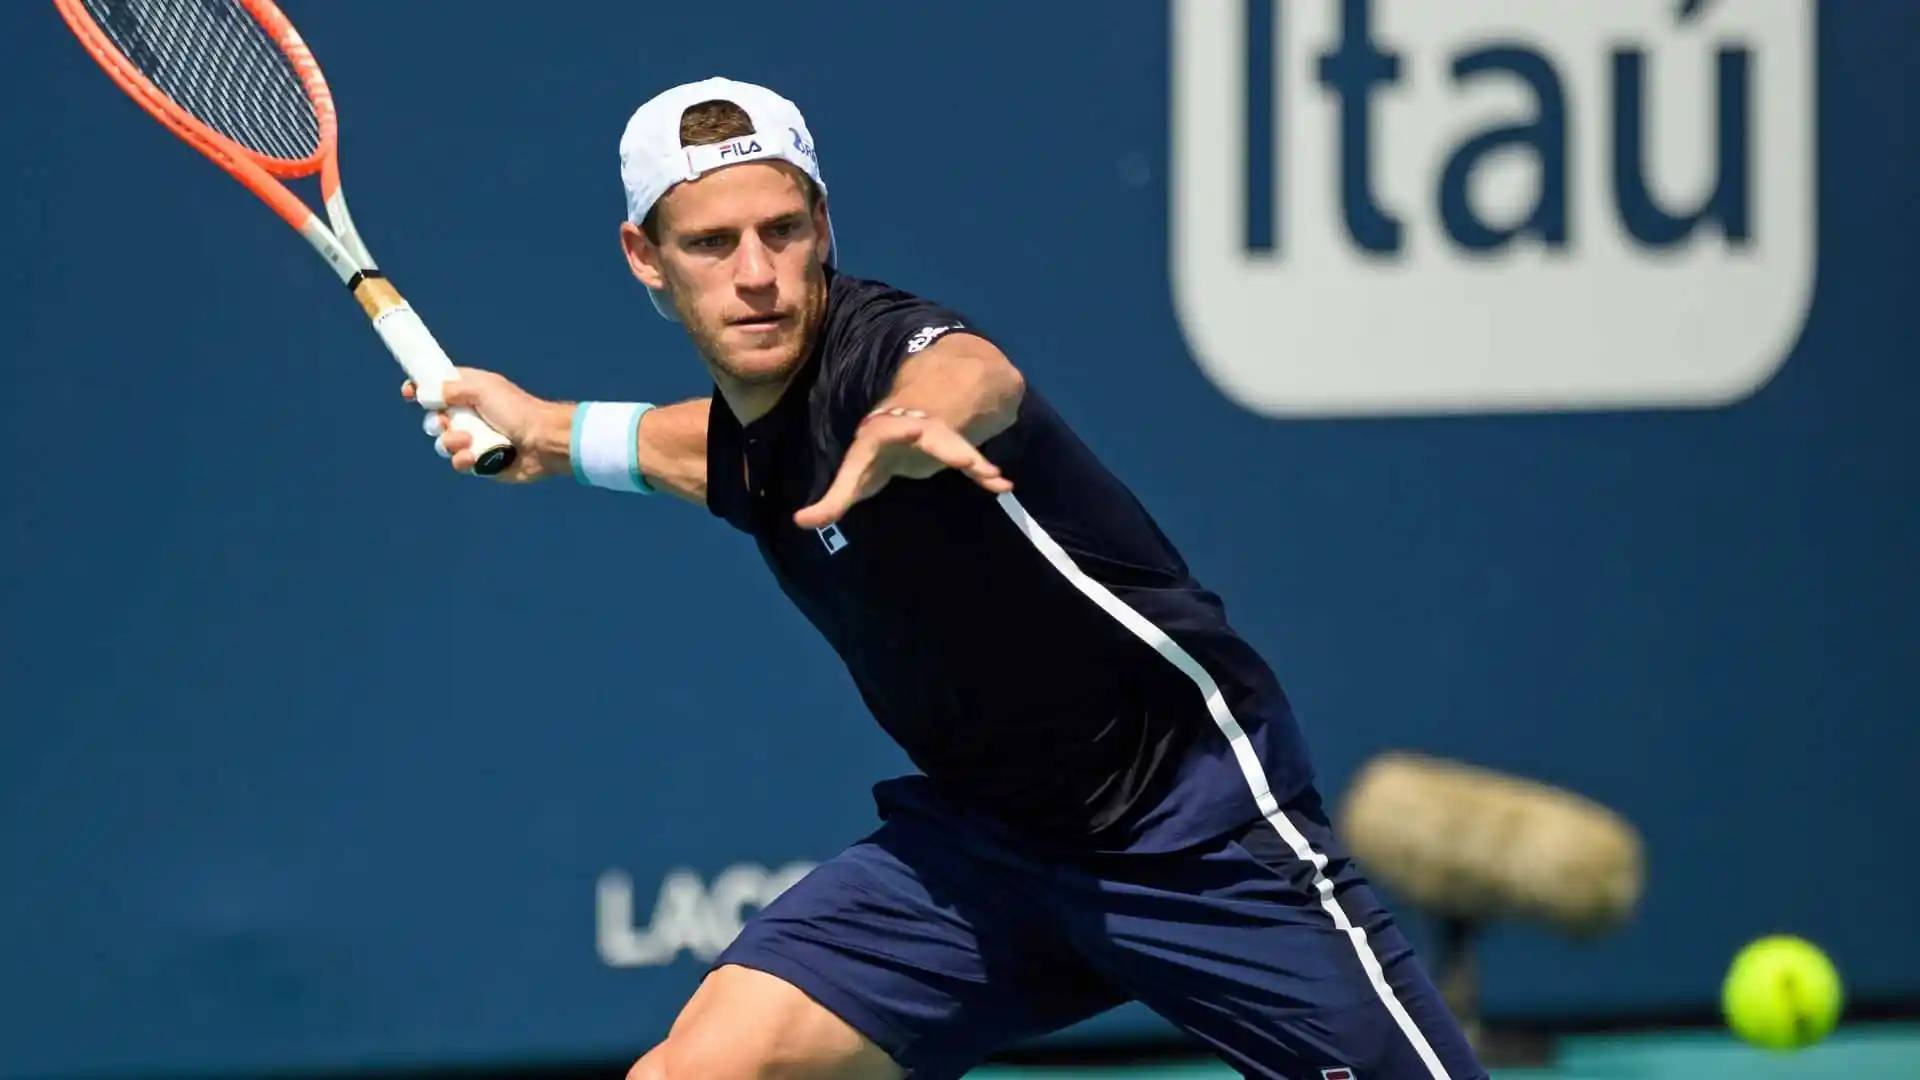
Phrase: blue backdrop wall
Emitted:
{"points": [[315, 755]]}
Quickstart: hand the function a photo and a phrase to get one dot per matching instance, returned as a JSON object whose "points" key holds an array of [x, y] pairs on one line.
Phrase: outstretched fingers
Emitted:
{"points": [[950, 448], [850, 485]]}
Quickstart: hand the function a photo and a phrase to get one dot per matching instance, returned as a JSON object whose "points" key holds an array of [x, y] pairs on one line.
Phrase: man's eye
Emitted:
{"points": [[708, 243]]}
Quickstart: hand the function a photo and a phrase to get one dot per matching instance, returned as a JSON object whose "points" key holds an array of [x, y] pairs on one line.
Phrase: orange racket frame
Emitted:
{"points": [[336, 239]]}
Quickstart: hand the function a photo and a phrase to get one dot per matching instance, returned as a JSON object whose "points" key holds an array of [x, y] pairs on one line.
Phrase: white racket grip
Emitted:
{"points": [[426, 363]]}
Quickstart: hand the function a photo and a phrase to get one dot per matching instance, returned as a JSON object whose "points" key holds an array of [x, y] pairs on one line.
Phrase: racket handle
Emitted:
{"points": [[492, 451], [413, 345]]}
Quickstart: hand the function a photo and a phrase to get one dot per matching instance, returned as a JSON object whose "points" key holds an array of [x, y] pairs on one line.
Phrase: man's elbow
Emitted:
{"points": [[1013, 389], [1009, 388]]}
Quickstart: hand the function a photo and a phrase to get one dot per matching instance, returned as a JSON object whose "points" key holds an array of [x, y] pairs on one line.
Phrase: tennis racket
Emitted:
{"points": [[235, 81]]}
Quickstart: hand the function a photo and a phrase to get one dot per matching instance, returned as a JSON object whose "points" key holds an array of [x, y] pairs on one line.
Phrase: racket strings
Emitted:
{"points": [[220, 65]]}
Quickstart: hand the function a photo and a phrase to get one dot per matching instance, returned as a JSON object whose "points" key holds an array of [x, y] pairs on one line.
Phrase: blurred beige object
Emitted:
{"points": [[1473, 843], [1472, 846]]}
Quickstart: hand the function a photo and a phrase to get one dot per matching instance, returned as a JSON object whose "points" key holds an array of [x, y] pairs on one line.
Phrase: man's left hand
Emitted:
{"points": [[896, 442]]}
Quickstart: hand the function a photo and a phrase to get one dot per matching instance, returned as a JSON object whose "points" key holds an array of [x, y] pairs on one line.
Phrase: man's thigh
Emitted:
{"points": [[1270, 947], [930, 940]]}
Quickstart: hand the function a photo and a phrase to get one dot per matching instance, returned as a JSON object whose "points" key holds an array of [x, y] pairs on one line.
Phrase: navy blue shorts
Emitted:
{"points": [[943, 940]]}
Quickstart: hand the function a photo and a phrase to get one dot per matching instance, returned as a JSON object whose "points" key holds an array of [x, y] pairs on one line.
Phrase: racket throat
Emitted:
{"points": [[339, 244], [343, 228], [331, 249]]}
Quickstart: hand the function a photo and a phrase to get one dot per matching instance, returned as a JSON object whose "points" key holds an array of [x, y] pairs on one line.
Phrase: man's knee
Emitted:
{"points": [[694, 1056], [698, 1055], [649, 1066], [746, 1025]]}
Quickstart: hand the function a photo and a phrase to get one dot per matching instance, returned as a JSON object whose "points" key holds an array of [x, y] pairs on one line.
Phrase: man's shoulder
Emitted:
{"points": [[854, 286], [852, 298], [867, 313]]}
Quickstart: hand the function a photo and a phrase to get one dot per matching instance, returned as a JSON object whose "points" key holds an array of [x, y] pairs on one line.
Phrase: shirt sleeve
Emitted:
{"points": [[872, 340]]}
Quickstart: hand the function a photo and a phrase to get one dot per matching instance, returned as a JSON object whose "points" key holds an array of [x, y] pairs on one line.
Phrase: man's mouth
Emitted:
{"points": [[758, 322]]}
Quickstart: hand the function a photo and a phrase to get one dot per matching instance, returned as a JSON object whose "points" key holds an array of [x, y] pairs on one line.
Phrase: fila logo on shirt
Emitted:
{"points": [[927, 335], [1410, 207], [831, 536]]}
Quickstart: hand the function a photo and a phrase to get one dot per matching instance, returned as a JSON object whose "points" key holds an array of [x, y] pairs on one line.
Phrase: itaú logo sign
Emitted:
{"points": [[1414, 206]]}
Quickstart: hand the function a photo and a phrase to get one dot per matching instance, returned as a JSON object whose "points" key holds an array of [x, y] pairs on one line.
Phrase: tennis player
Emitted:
{"points": [[1114, 802]]}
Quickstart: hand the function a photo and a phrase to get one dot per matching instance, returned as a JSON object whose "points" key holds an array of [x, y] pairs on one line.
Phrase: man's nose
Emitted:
{"points": [[753, 264]]}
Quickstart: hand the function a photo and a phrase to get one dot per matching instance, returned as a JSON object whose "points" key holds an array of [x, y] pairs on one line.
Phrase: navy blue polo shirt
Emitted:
{"points": [[1044, 656]]}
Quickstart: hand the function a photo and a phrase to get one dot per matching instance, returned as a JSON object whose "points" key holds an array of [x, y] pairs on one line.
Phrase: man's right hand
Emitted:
{"points": [[540, 430]]}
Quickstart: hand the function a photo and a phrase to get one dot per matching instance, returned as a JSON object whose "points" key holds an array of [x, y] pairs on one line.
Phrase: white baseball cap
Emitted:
{"points": [[652, 159]]}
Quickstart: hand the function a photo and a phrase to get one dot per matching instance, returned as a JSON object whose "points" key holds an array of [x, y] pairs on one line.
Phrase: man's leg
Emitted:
{"points": [[743, 1024], [1270, 947], [916, 952]]}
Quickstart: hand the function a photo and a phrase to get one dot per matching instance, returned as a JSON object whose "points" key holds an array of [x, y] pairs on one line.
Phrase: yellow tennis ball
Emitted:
{"points": [[1782, 993]]}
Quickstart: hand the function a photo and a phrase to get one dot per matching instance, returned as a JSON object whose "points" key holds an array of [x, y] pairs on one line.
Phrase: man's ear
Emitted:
{"points": [[643, 256]]}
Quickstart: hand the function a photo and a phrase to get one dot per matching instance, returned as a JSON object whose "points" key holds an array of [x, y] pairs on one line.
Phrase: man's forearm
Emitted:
{"points": [[964, 381], [673, 449], [672, 446]]}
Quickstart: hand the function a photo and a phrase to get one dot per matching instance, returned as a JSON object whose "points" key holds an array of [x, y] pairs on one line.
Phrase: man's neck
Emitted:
{"points": [[751, 401]]}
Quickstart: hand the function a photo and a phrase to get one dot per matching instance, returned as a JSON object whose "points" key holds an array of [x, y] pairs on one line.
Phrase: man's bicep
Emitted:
{"points": [[673, 449]]}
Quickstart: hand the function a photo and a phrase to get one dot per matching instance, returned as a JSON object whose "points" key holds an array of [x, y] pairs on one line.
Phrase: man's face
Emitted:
{"points": [[741, 254]]}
